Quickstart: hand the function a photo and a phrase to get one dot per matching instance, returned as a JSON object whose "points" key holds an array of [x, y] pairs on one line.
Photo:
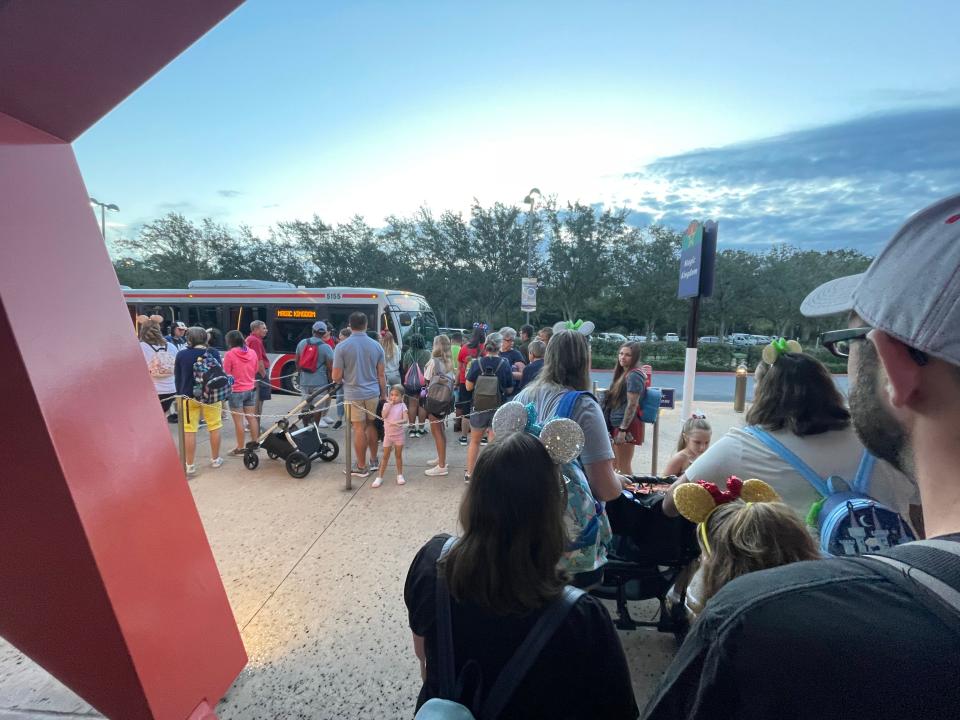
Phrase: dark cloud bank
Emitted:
{"points": [[845, 185]]}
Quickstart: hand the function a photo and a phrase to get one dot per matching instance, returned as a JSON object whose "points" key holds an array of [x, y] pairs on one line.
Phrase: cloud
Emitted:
{"points": [[180, 206], [229, 193], [848, 184], [271, 205]]}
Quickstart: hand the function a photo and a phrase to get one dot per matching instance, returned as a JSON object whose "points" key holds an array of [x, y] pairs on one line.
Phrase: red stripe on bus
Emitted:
{"points": [[277, 370], [235, 295]]}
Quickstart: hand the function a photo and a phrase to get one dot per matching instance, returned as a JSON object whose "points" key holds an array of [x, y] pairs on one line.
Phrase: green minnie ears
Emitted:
{"points": [[778, 347], [584, 327]]}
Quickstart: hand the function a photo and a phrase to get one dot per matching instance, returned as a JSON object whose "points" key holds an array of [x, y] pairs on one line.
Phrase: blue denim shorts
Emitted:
{"points": [[245, 398]]}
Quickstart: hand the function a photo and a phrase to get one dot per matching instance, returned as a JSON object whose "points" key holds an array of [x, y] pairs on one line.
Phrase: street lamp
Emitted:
{"points": [[530, 200], [103, 215]]}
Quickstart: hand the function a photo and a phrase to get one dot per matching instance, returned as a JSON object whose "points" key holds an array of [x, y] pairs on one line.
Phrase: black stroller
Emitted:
{"points": [[649, 553], [296, 437]]}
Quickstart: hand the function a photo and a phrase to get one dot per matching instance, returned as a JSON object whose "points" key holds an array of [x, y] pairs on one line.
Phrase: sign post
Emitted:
{"points": [[698, 253], [528, 296]]}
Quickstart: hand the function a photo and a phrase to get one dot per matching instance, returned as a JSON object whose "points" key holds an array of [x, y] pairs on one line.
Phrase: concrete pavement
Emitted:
{"points": [[315, 577]]}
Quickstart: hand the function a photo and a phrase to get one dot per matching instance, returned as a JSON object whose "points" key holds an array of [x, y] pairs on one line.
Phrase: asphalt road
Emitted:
{"points": [[713, 387]]}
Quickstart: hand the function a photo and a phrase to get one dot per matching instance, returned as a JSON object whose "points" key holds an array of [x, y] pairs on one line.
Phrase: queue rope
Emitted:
{"points": [[322, 408]]}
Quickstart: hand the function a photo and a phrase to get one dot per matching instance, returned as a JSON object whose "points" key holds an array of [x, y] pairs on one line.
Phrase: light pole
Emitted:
{"points": [[531, 200], [103, 215]]}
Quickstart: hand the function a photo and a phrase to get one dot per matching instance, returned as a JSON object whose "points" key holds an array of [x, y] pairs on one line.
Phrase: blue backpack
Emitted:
{"points": [[588, 525], [848, 521]]}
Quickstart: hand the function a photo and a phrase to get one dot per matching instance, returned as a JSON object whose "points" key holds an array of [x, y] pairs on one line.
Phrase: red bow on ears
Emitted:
{"points": [[734, 486]]}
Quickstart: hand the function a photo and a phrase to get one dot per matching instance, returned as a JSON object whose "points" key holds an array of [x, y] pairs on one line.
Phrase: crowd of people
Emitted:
{"points": [[790, 617], [789, 620]]}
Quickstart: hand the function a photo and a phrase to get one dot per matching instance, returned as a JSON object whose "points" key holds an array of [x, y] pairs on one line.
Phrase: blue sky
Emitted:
{"points": [[819, 124]]}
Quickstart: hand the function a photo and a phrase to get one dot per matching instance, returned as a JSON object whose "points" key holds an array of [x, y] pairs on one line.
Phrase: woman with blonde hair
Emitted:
{"points": [[391, 354], [439, 371], [160, 356]]}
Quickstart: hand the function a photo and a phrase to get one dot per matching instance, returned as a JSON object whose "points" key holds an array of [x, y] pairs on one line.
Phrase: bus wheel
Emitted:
{"points": [[291, 378]]}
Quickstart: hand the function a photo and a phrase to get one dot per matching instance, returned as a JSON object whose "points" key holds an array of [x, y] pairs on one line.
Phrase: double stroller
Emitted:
{"points": [[295, 438], [649, 554]]}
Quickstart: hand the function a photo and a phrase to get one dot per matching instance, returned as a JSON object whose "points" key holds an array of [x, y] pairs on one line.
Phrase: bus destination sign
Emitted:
{"points": [[297, 313]]}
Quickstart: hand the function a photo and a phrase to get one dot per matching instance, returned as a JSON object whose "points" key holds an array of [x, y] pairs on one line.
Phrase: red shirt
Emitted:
{"points": [[466, 352], [256, 344]]}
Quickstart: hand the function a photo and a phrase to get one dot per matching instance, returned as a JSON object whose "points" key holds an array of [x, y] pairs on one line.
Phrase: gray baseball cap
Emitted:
{"points": [[320, 326], [912, 288]]}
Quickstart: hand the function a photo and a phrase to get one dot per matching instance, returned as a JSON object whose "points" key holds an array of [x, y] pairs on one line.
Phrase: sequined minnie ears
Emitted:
{"points": [[562, 437], [695, 501]]}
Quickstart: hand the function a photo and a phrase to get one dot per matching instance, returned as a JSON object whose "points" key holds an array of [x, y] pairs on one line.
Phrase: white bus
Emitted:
{"points": [[289, 312]]}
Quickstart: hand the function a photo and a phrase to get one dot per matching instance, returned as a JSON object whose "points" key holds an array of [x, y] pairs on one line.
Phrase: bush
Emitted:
{"points": [[710, 358]]}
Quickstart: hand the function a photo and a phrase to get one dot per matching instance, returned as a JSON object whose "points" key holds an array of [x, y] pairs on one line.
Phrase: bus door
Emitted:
{"points": [[339, 315]]}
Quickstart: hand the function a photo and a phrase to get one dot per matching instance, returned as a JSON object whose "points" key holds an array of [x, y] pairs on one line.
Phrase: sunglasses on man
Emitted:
{"points": [[837, 343]]}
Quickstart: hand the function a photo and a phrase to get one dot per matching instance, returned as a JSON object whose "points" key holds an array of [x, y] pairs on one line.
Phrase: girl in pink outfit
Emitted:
{"points": [[394, 418], [241, 362]]}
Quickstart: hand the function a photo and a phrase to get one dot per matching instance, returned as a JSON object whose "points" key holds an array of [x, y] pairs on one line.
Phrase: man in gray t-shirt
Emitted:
{"points": [[358, 362]]}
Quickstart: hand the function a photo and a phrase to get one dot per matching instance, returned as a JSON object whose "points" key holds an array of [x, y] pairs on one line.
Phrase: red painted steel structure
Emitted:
{"points": [[106, 576]]}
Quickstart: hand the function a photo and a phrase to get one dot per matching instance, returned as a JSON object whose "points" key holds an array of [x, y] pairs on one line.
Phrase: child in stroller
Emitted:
{"points": [[650, 553], [296, 437]]}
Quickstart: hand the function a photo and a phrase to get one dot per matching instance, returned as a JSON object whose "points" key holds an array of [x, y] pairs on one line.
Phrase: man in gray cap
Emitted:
{"points": [[860, 637], [315, 364]]}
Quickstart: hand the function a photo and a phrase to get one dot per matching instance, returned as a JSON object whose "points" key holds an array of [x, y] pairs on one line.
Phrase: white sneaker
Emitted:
{"points": [[400, 480], [191, 470], [377, 482], [216, 462], [321, 423], [437, 471]]}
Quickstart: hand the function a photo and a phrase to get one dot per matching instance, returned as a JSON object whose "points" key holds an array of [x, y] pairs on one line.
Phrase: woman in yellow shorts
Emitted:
{"points": [[194, 410]]}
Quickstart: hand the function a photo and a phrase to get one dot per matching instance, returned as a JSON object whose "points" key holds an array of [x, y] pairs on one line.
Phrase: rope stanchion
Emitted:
{"points": [[348, 443]]}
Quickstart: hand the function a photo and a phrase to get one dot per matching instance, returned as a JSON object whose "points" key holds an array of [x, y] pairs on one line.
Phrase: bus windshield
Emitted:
{"points": [[411, 314]]}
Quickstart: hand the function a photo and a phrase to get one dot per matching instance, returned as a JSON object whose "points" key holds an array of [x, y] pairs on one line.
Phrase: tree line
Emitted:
{"points": [[592, 264]]}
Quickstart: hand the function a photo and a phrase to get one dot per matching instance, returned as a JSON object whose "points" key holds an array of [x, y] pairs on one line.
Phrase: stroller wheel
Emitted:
{"points": [[251, 460], [272, 455], [329, 450], [298, 464]]}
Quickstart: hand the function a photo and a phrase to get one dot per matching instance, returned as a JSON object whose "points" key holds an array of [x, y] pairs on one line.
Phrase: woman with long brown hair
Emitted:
{"points": [[798, 406], [499, 578], [620, 405]]}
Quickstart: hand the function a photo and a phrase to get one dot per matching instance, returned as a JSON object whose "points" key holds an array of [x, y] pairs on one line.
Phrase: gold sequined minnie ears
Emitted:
{"points": [[777, 348], [697, 501]]}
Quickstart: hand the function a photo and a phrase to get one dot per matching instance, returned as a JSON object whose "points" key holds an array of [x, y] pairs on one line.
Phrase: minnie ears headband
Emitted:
{"points": [[561, 437], [696, 501], [480, 326], [584, 327]]}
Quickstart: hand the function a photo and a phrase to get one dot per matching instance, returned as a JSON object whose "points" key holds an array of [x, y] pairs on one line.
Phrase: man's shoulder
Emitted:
{"points": [[837, 591]]}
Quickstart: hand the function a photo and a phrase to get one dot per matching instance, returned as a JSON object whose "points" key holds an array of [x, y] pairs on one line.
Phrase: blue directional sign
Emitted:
{"points": [[666, 398], [691, 250]]}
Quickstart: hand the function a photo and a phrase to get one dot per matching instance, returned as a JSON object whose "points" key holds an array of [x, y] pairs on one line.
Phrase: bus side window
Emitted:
{"points": [[287, 333], [207, 317]]}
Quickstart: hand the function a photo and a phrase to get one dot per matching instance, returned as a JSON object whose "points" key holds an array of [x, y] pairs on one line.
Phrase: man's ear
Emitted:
{"points": [[903, 378]]}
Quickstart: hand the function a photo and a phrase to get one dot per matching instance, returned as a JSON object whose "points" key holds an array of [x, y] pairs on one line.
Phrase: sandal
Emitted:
{"points": [[238, 451]]}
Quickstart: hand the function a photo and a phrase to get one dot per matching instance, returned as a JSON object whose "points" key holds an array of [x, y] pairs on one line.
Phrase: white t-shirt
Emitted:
{"points": [[836, 452], [436, 364], [162, 385]]}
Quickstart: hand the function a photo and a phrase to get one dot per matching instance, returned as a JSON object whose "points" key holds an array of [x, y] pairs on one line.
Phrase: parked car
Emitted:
{"points": [[709, 340], [740, 339], [671, 337], [760, 339], [637, 338], [612, 337]]}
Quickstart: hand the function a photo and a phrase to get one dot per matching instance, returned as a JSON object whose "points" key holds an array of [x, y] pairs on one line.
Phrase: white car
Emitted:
{"points": [[760, 339], [637, 338], [671, 337], [709, 340], [612, 337], [740, 339]]}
